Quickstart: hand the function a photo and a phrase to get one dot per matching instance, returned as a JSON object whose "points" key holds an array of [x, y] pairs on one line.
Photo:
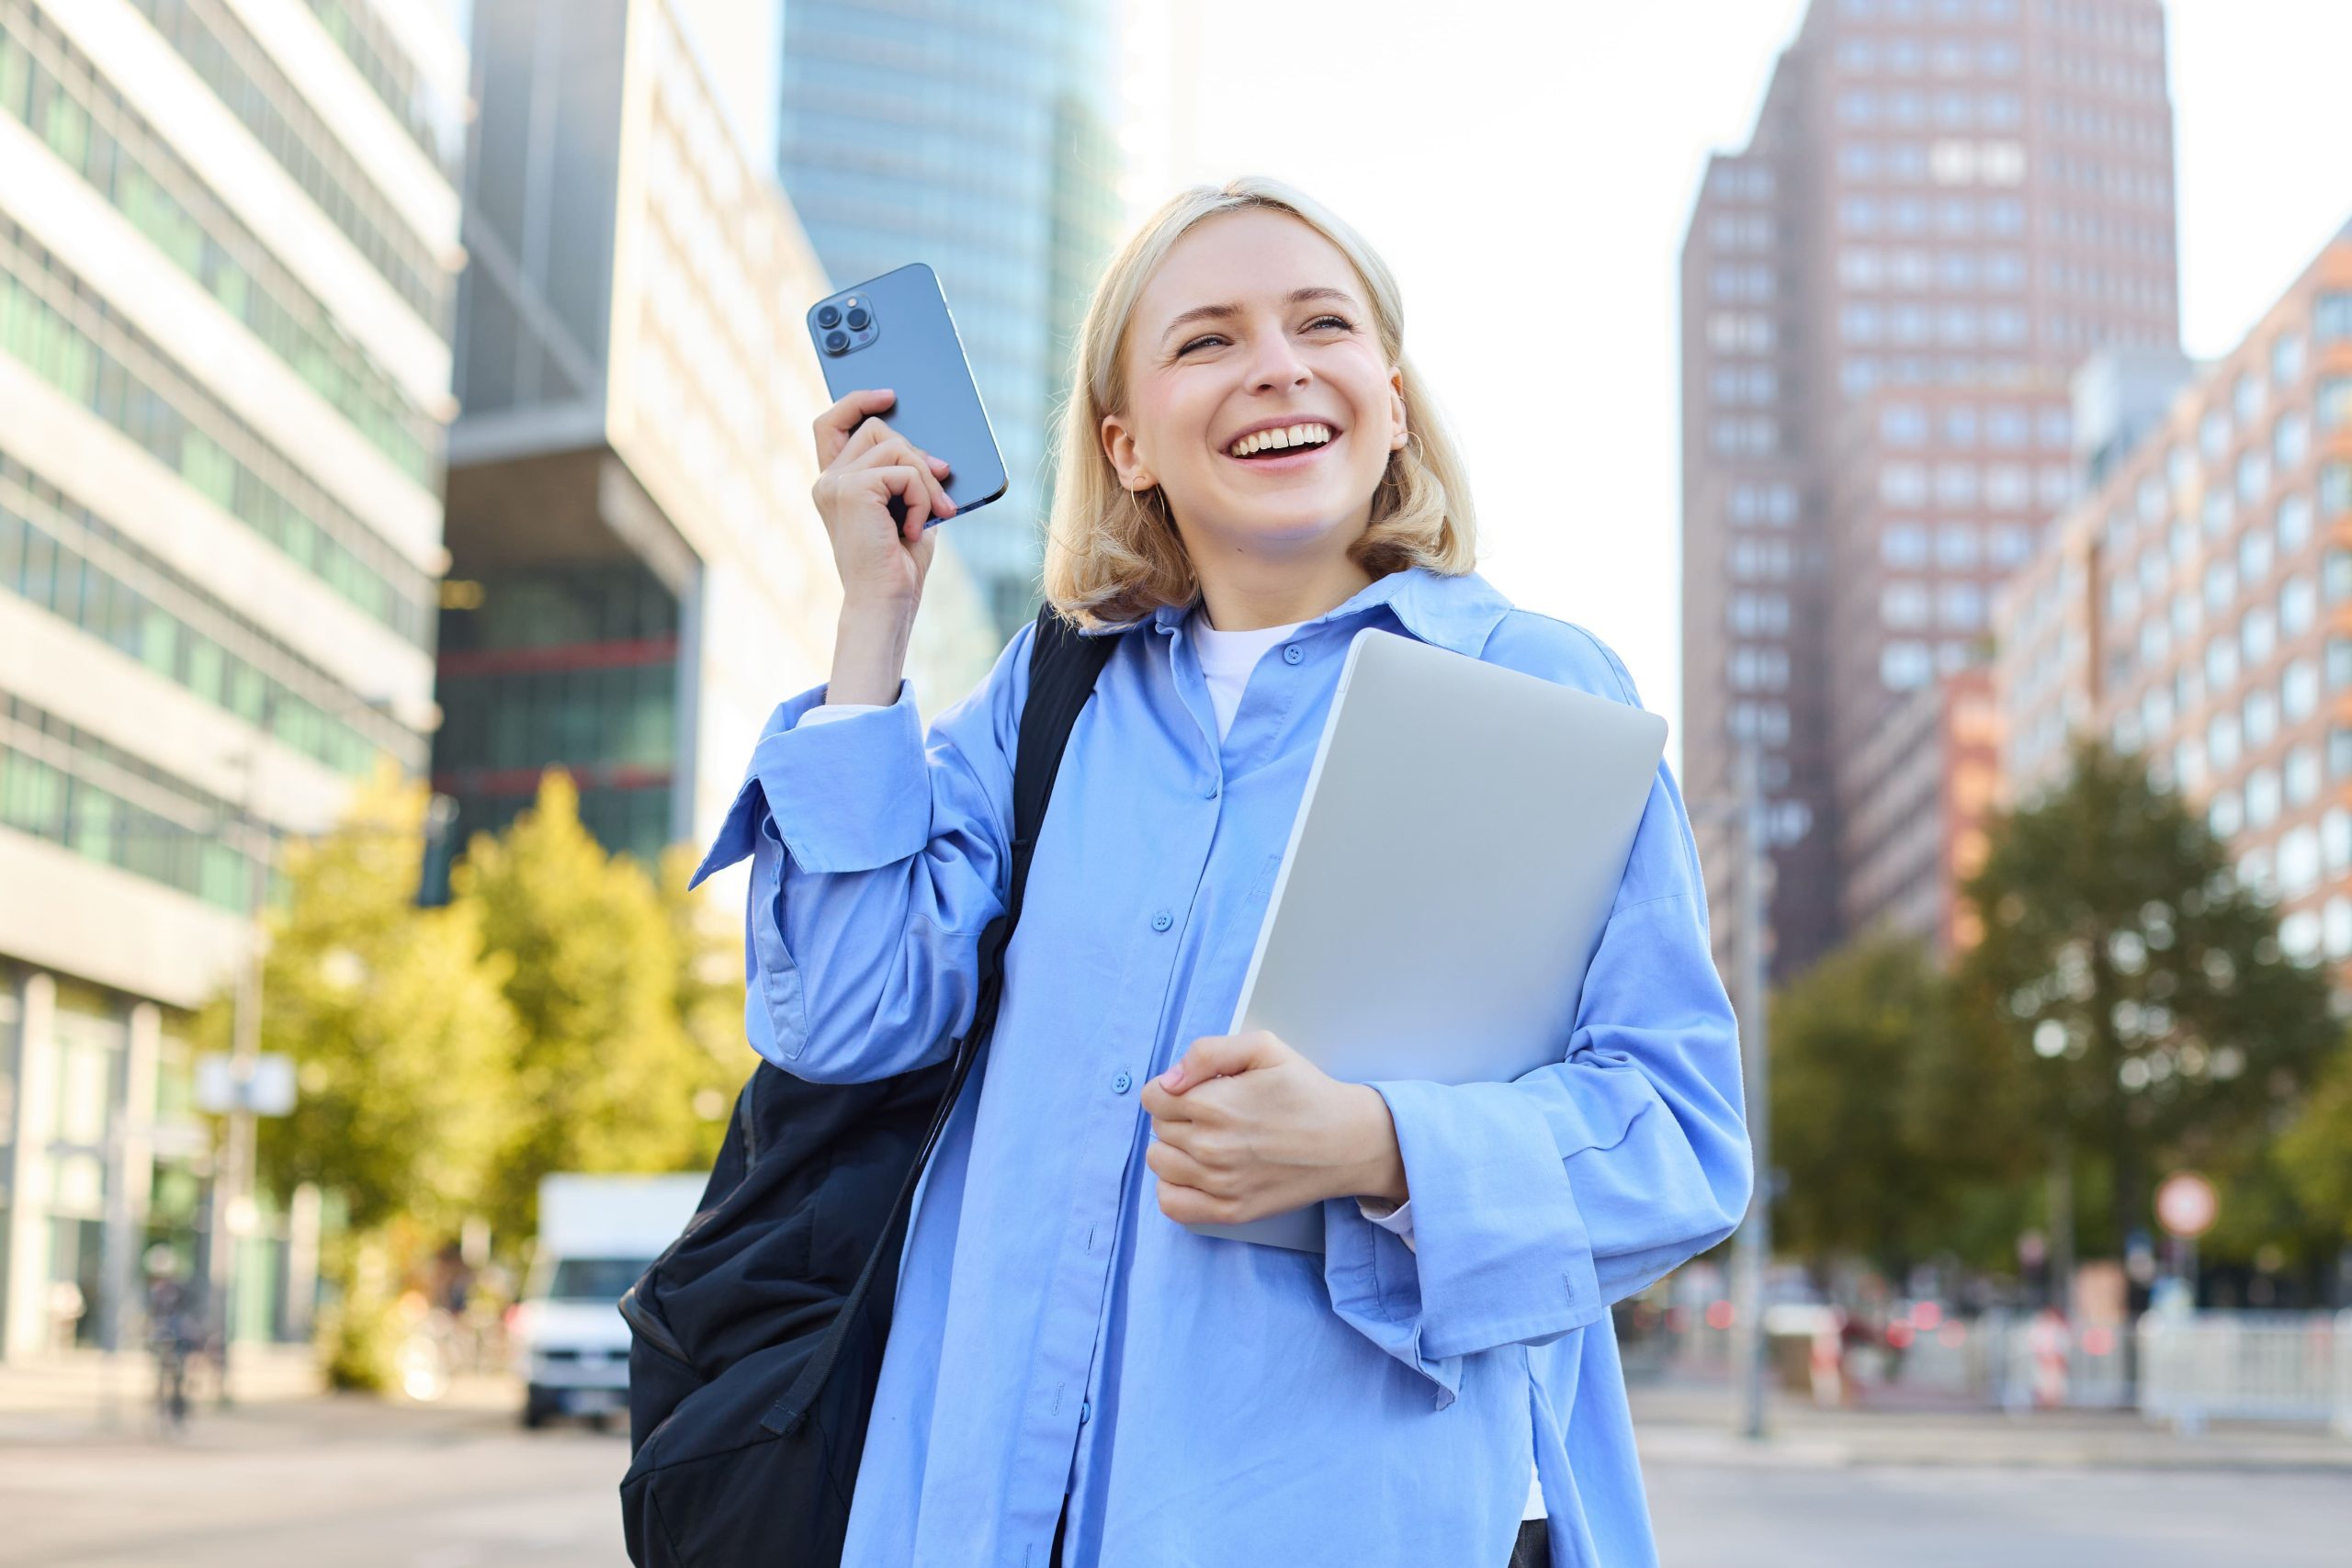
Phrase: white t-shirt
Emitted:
{"points": [[1226, 659]]}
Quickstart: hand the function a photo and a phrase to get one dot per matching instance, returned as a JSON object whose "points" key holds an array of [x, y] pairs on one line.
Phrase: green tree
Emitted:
{"points": [[2143, 990], [1889, 1110], [606, 1075], [399, 1029]]}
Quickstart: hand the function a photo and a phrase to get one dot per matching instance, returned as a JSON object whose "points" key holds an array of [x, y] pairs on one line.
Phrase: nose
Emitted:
{"points": [[1277, 363]]}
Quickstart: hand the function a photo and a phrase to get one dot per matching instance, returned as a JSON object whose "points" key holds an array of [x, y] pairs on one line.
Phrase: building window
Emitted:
{"points": [[1905, 665], [2253, 475], [1903, 424], [1903, 606], [2294, 523], [2296, 605], [1956, 545], [2333, 403], [2301, 777], [2335, 490], [2258, 635], [2290, 439], [1759, 614], [1956, 484], [1903, 484], [2298, 691], [1960, 606], [2253, 555], [2286, 359], [2226, 814], [2259, 713], [2009, 487], [2245, 396], [2221, 742], [1903, 544], [2213, 434], [2331, 318], [1760, 668]]}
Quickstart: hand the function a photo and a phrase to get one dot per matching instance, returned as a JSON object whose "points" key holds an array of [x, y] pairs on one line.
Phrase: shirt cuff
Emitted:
{"points": [[847, 794], [1396, 1219]]}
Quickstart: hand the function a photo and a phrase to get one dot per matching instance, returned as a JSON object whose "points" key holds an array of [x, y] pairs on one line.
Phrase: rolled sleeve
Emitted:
{"points": [[878, 857], [1537, 1203]]}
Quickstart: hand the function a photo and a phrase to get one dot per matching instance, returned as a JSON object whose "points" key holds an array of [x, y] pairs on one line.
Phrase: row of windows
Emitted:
{"points": [[221, 53], [1955, 325], [2105, 73], [132, 386], [1759, 614], [1751, 281], [2129, 183], [1953, 108], [1913, 606], [50, 87], [1945, 163], [632, 819], [2224, 578], [1742, 230], [1910, 269], [1744, 384], [60, 562], [1774, 504], [360, 33], [1760, 668], [2098, 228], [624, 716], [1905, 665], [2006, 426], [1771, 560], [1948, 11], [2136, 289], [1749, 182], [2269, 791], [1955, 216], [59, 784], [1902, 56], [1742, 331], [2332, 317], [1859, 374], [1957, 546], [2003, 487], [2098, 124], [1744, 435]]}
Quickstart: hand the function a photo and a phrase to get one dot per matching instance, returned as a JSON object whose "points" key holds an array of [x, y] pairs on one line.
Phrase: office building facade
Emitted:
{"points": [[1944, 207], [981, 138], [228, 245], [638, 571], [2195, 610]]}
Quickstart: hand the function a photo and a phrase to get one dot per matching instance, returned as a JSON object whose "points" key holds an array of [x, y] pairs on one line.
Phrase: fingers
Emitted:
{"points": [[1173, 1164], [874, 442], [833, 426], [1221, 1055]]}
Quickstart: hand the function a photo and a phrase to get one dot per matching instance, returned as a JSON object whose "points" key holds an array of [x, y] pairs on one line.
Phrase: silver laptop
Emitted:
{"points": [[1454, 858]]}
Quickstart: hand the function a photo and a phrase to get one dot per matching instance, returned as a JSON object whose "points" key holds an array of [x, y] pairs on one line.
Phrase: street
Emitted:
{"points": [[349, 1481]]}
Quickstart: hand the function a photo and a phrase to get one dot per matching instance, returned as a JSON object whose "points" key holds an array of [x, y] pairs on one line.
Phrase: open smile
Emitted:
{"points": [[1303, 445]]}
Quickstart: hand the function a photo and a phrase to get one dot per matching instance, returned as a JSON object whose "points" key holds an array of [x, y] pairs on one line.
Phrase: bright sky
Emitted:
{"points": [[1528, 170]]}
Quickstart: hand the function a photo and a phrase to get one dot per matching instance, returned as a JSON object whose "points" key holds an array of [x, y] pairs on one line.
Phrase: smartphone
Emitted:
{"points": [[894, 331]]}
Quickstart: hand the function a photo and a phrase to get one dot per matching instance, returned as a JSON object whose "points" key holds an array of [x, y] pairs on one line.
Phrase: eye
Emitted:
{"points": [[1341, 321], [1345, 324]]}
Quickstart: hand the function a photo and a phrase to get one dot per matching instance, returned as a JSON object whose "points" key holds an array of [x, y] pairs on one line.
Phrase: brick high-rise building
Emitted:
{"points": [[1944, 205], [2196, 609]]}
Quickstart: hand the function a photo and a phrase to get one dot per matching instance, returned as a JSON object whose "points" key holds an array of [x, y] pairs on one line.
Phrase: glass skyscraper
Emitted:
{"points": [[980, 138]]}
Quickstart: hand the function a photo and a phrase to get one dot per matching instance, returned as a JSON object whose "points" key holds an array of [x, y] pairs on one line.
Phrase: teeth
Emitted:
{"points": [[1291, 435]]}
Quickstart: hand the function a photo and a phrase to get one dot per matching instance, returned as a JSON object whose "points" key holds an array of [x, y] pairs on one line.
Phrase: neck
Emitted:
{"points": [[1248, 596]]}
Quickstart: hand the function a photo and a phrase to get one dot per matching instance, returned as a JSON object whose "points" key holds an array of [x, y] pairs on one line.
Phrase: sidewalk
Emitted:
{"points": [[88, 1393], [1681, 1422]]}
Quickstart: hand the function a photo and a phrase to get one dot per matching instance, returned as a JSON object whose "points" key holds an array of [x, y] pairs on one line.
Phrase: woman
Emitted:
{"points": [[1072, 1375]]}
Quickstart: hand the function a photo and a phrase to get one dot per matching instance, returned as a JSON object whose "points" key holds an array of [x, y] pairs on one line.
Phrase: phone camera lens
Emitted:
{"points": [[828, 316], [835, 342], [858, 318]]}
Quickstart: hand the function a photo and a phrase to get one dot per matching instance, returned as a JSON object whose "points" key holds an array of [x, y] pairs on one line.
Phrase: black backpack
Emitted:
{"points": [[756, 1339]]}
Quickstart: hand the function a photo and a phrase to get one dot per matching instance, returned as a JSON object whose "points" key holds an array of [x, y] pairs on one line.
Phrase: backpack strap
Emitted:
{"points": [[1062, 670]]}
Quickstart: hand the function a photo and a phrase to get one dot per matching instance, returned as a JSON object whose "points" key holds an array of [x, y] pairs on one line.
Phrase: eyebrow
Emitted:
{"points": [[1227, 312]]}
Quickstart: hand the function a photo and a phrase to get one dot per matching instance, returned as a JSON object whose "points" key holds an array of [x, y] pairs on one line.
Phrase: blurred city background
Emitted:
{"points": [[1945, 406]]}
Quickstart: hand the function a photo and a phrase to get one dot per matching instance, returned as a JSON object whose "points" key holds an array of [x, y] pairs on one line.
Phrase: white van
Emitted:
{"points": [[597, 1234]]}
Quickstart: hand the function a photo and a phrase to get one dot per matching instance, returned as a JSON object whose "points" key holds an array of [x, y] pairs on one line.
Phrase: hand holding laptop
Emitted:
{"points": [[1244, 1127]]}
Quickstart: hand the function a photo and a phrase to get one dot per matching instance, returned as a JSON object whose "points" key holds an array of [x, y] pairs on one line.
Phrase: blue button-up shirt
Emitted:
{"points": [[1201, 1401]]}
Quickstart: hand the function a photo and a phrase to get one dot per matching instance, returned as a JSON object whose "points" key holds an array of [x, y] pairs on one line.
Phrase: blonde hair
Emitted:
{"points": [[1112, 555]]}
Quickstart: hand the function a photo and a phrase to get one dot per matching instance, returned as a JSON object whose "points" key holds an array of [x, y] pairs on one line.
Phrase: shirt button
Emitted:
{"points": [[1293, 654], [1162, 920], [1121, 1084]]}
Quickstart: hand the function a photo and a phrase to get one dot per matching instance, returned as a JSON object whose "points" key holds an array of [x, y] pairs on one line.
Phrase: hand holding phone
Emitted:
{"points": [[876, 497]]}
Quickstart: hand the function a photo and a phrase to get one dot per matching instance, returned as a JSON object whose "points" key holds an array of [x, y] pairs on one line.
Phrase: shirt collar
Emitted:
{"points": [[1455, 611]]}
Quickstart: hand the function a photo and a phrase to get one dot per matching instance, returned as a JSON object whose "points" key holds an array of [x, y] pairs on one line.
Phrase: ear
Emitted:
{"points": [[1397, 434], [1119, 446]]}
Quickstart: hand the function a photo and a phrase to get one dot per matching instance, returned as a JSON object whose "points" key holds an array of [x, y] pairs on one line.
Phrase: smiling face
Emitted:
{"points": [[1256, 322]]}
